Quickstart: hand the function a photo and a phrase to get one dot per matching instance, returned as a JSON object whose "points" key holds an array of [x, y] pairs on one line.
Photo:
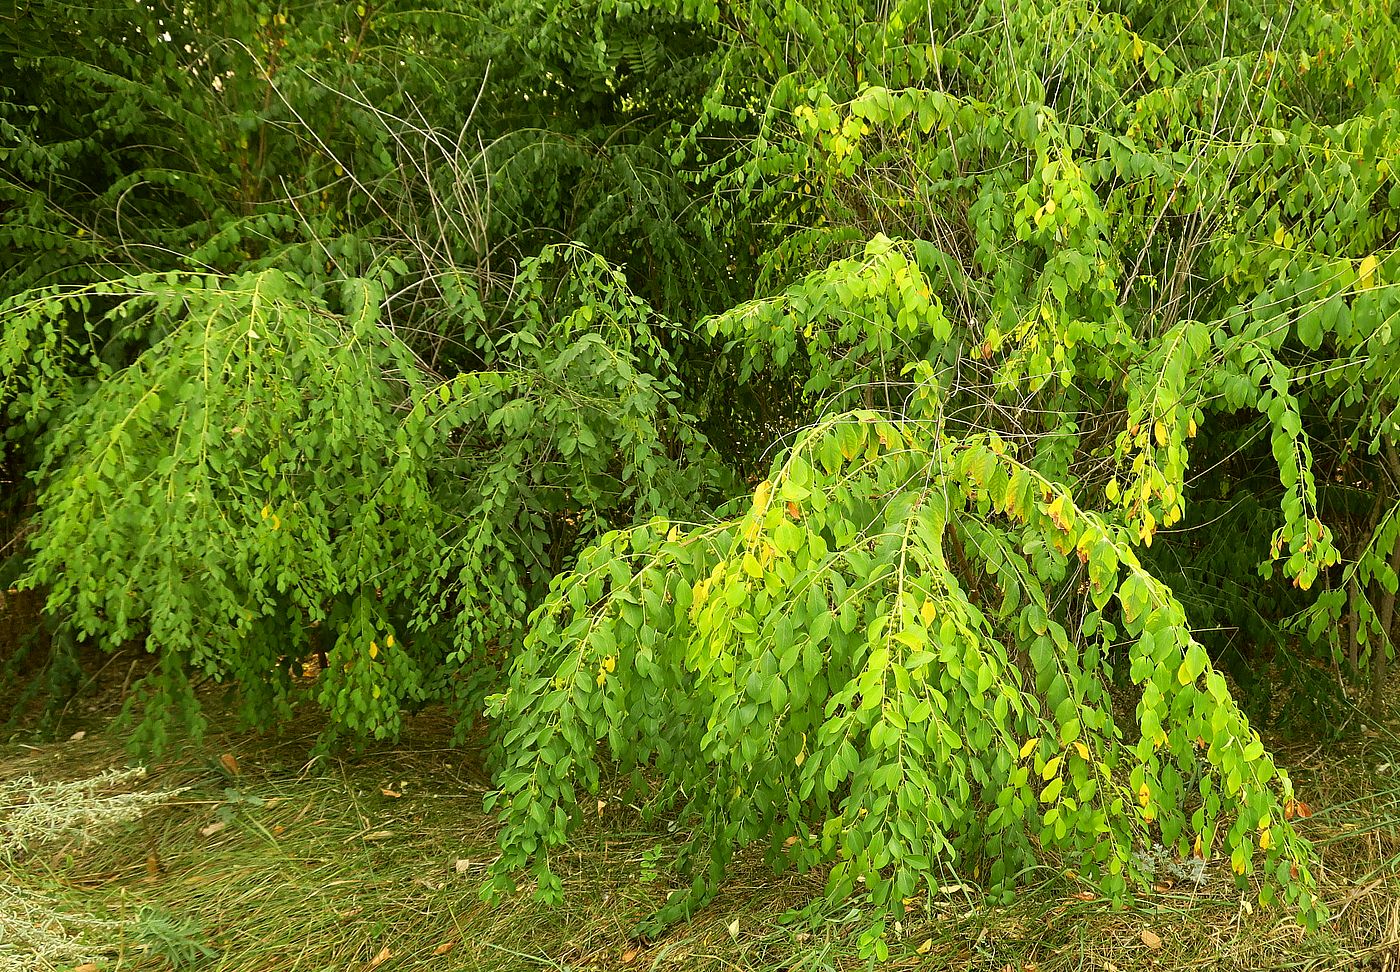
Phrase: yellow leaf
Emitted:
{"points": [[266, 511], [1160, 431], [1365, 274], [1144, 795], [1266, 840], [761, 495], [389, 642], [373, 650], [698, 594], [1029, 745], [1082, 749], [1149, 526], [926, 947], [927, 612], [1137, 48], [1278, 235], [1191, 429], [1111, 490]]}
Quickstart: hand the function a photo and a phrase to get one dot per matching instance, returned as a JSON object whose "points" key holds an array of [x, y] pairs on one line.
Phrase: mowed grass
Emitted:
{"points": [[274, 860]]}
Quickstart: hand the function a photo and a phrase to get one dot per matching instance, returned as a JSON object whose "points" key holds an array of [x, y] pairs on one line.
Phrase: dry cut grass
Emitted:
{"points": [[271, 860]]}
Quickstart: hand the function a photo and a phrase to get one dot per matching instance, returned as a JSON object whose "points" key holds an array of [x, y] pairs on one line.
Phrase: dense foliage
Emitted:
{"points": [[874, 431]]}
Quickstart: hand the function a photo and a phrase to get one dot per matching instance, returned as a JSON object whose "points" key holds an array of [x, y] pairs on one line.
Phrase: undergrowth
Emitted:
{"points": [[38, 928], [277, 860]]}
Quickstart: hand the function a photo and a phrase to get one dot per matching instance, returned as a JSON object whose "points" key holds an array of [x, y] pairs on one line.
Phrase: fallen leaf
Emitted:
{"points": [[152, 865], [278, 830], [733, 928], [390, 793], [85, 967], [926, 947], [212, 829], [379, 835], [1151, 939], [230, 764], [461, 865], [1304, 810], [630, 955], [1086, 895], [381, 958], [445, 947], [77, 735]]}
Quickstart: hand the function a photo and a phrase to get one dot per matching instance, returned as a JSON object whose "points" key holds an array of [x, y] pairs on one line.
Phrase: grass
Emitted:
{"points": [[272, 860]]}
